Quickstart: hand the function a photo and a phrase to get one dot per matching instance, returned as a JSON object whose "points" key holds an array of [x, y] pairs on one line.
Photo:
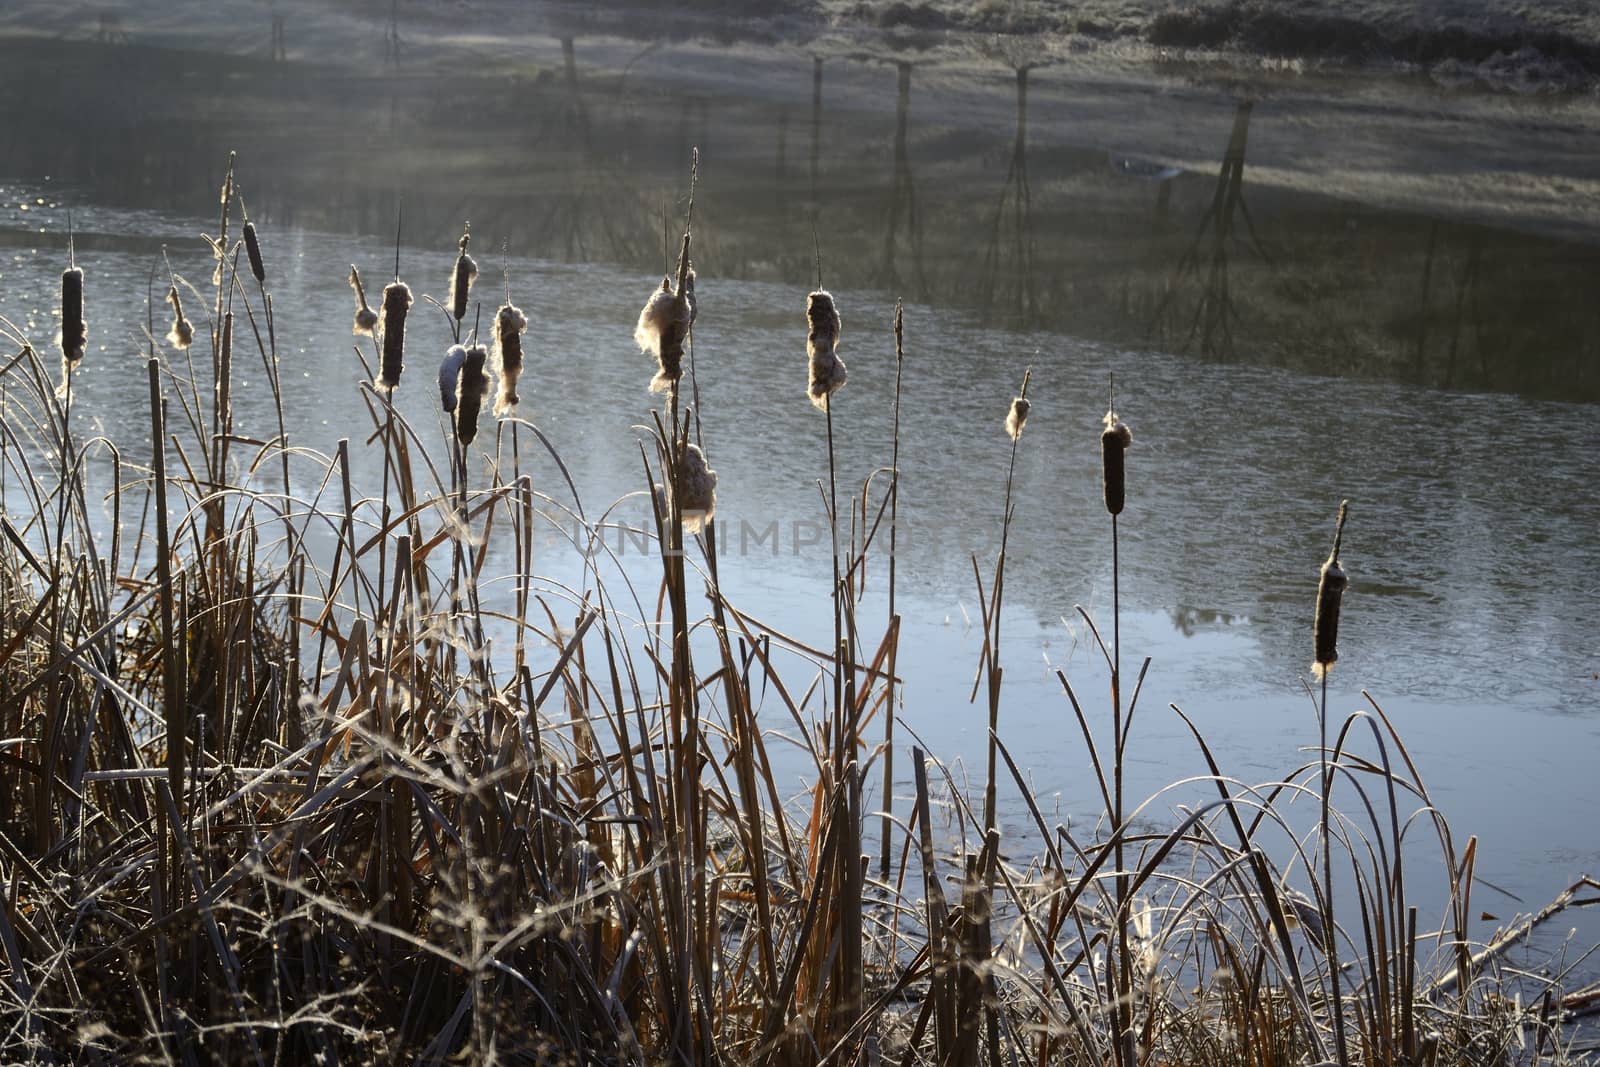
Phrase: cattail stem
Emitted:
{"points": [[894, 511]]}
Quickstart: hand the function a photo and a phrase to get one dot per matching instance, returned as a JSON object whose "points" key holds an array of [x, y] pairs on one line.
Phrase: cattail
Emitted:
{"points": [[74, 331], [822, 338], [461, 278], [699, 483], [449, 376], [181, 336], [509, 322], [366, 318], [1114, 441], [396, 303], [474, 387], [1017, 417], [1330, 593], [219, 247], [252, 248], [663, 327]]}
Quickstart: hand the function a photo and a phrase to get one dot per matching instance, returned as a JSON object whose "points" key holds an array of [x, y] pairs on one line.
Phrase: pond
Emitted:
{"points": [[1425, 347]]}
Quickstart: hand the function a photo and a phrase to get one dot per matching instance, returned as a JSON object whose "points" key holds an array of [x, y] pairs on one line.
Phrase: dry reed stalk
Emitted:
{"points": [[828, 371], [366, 318], [396, 304], [1330, 594], [509, 324], [181, 336]]}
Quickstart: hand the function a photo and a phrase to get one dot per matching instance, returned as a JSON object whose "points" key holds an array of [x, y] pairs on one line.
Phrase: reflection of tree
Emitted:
{"points": [[1018, 265], [1214, 312], [902, 195]]}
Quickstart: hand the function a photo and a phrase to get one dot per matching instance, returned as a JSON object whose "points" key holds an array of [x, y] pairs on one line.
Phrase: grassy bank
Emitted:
{"points": [[296, 766]]}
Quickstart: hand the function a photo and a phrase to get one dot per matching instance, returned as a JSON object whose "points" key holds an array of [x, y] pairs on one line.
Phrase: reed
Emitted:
{"points": [[272, 797]]}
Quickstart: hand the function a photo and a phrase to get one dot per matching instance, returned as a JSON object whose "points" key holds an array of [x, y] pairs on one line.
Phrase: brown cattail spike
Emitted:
{"points": [[474, 387], [366, 318], [509, 322], [699, 490], [181, 336], [461, 278], [396, 303], [74, 331], [252, 248], [828, 371], [1330, 594], [1114, 441], [450, 376]]}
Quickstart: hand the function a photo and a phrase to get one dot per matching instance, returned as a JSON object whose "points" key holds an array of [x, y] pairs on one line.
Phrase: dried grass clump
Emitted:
{"points": [[396, 305], [461, 276], [474, 388], [366, 318], [450, 376], [1330, 595], [699, 490], [181, 336], [828, 372], [663, 325], [74, 331], [1114, 441], [509, 324]]}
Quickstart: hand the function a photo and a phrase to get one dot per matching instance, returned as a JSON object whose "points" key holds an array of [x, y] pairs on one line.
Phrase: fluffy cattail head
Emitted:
{"points": [[1017, 417], [828, 372], [664, 325], [699, 483], [252, 248], [509, 322], [474, 387], [450, 375], [366, 318], [74, 331], [461, 278], [181, 336], [1330, 594], [1114, 441], [396, 303]]}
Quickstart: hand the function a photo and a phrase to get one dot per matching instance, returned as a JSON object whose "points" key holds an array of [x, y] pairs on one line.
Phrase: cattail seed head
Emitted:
{"points": [[450, 376], [663, 327], [1114, 441], [252, 248], [366, 318], [1017, 417], [699, 483], [828, 372], [509, 323], [181, 336], [474, 388], [461, 279], [396, 303], [1330, 594], [74, 331]]}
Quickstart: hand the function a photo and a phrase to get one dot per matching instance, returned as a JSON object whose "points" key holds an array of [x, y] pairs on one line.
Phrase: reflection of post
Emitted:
{"points": [[903, 191], [1214, 313], [1419, 369], [1017, 189], [391, 40], [280, 46]]}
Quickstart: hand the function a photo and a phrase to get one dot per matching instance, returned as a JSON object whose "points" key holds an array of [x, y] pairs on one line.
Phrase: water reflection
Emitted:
{"points": [[578, 150]]}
